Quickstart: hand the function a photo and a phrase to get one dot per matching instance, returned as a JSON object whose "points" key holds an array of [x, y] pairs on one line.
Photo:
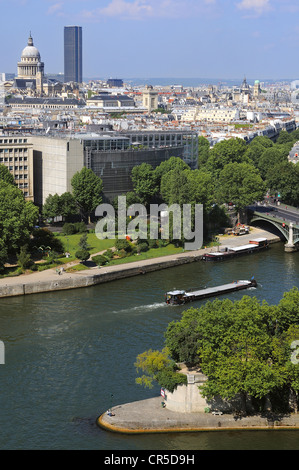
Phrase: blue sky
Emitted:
{"points": [[258, 39]]}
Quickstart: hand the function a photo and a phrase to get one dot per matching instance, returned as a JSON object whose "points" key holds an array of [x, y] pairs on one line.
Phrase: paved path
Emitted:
{"points": [[148, 416], [51, 274]]}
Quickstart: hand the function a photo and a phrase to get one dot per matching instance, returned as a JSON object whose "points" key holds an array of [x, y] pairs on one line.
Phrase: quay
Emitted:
{"points": [[148, 416], [49, 281]]}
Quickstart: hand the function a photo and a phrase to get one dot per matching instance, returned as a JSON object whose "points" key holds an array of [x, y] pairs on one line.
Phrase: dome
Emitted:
{"points": [[30, 51]]}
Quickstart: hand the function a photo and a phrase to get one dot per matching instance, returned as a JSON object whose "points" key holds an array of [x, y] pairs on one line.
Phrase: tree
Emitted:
{"points": [[51, 207], [173, 163], [225, 152], [64, 205], [269, 158], [241, 184], [17, 217], [82, 255], [284, 178], [239, 347], [5, 175], [203, 151], [87, 190], [83, 243], [160, 368], [144, 182], [67, 205], [24, 258]]}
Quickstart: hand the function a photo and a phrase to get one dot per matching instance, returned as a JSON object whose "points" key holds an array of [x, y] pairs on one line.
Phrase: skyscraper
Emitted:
{"points": [[73, 54]]}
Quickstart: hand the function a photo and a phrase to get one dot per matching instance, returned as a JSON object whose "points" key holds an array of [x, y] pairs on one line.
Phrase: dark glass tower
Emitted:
{"points": [[73, 54]]}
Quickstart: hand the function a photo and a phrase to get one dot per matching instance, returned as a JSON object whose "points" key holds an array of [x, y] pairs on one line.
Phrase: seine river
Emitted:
{"points": [[70, 356]]}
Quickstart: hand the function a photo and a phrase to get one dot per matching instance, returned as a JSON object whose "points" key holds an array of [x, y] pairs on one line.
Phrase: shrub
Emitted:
{"points": [[69, 229], [123, 245], [82, 255], [24, 258], [100, 260], [142, 247], [80, 227]]}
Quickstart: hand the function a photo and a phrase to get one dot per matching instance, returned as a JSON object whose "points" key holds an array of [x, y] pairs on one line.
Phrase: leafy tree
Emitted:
{"points": [[51, 208], [173, 163], [5, 175], [283, 137], [241, 184], [87, 190], [64, 205], [67, 205], [203, 151], [284, 178], [237, 348], [17, 217], [158, 367], [144, 182], [82, 255], [225, 152], [269, 158]]}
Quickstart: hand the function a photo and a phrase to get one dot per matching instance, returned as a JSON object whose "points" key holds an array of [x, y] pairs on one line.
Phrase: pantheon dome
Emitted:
{"points": [[30, 62]]}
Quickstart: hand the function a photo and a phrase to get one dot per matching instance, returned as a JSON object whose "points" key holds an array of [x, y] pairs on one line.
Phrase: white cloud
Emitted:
{"points": [[54, 8], [141, 9], [257, 6]]}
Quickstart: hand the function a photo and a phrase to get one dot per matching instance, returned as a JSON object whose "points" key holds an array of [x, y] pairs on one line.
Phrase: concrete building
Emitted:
{"points": [[56, 160], [110, 155], [16, 153]]}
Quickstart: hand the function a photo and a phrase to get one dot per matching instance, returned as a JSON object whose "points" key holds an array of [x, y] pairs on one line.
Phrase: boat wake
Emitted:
{"points": [[141, 307]]}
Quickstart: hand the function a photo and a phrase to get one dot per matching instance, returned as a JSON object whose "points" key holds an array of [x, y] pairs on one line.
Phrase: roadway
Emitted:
{"points": [[283, 212]]}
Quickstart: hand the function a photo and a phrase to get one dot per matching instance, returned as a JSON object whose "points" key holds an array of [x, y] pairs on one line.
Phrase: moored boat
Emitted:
{"points": [[179, 297], [253, 246]]}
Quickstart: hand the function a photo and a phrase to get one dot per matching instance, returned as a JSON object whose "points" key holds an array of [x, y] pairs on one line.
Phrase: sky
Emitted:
{"points": [[256, 39]]}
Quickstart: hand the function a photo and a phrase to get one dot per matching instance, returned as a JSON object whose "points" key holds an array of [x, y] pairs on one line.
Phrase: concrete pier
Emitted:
{"points": [[148, 416]]}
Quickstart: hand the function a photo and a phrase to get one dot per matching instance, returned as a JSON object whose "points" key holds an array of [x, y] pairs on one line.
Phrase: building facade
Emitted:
{"points": [[30, 68], [110, 155], [73, 54], [16, 153]]}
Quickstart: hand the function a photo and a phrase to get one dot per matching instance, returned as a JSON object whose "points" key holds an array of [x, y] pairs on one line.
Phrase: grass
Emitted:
{"points": [[71, 244]]}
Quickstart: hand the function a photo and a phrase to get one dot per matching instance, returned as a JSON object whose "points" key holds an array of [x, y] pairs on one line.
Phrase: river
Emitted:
{"points": [[70, 355]]}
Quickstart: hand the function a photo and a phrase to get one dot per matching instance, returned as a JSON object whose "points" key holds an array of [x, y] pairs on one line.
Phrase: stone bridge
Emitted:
{"points": [[285, 219]]}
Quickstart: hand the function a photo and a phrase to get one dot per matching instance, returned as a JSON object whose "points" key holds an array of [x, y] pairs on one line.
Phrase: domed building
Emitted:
{"points": [[30, 68]]}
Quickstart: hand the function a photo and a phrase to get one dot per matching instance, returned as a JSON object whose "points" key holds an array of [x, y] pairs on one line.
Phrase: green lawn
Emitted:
{"points": [[71, 244]]}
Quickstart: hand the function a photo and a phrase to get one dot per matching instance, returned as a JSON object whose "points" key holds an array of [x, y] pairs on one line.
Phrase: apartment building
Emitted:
{"points": [[212, 114], [16, 153]]}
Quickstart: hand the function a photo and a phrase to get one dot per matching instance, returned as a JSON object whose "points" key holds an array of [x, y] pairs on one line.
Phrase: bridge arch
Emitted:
{"points": [[283, 230]]}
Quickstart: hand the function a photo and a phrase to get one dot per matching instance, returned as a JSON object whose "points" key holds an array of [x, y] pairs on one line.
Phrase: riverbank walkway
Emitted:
{"points": [[49, 280], [148, 416]]}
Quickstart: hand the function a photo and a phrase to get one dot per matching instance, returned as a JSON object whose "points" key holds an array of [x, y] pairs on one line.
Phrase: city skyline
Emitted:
{"points": [[147, 38]]}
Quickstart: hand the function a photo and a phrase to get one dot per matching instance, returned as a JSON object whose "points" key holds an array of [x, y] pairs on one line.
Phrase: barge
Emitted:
{"points": [[253, 246], [179, 297]]}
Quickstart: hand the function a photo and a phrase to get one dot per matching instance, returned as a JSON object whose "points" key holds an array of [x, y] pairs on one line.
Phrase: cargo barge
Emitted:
{"points": [[179, 297], [253, 246]]}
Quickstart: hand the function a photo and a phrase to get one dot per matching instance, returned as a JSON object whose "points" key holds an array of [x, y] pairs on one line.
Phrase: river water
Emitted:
{"points": [[70, 355]]}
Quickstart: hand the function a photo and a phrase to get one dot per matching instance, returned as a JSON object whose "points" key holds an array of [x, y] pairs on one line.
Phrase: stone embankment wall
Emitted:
{"points": [[75, 281]]}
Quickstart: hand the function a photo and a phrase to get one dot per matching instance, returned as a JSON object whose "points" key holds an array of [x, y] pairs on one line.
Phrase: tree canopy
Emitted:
{"points": [[87, 190], [243, 347]]}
